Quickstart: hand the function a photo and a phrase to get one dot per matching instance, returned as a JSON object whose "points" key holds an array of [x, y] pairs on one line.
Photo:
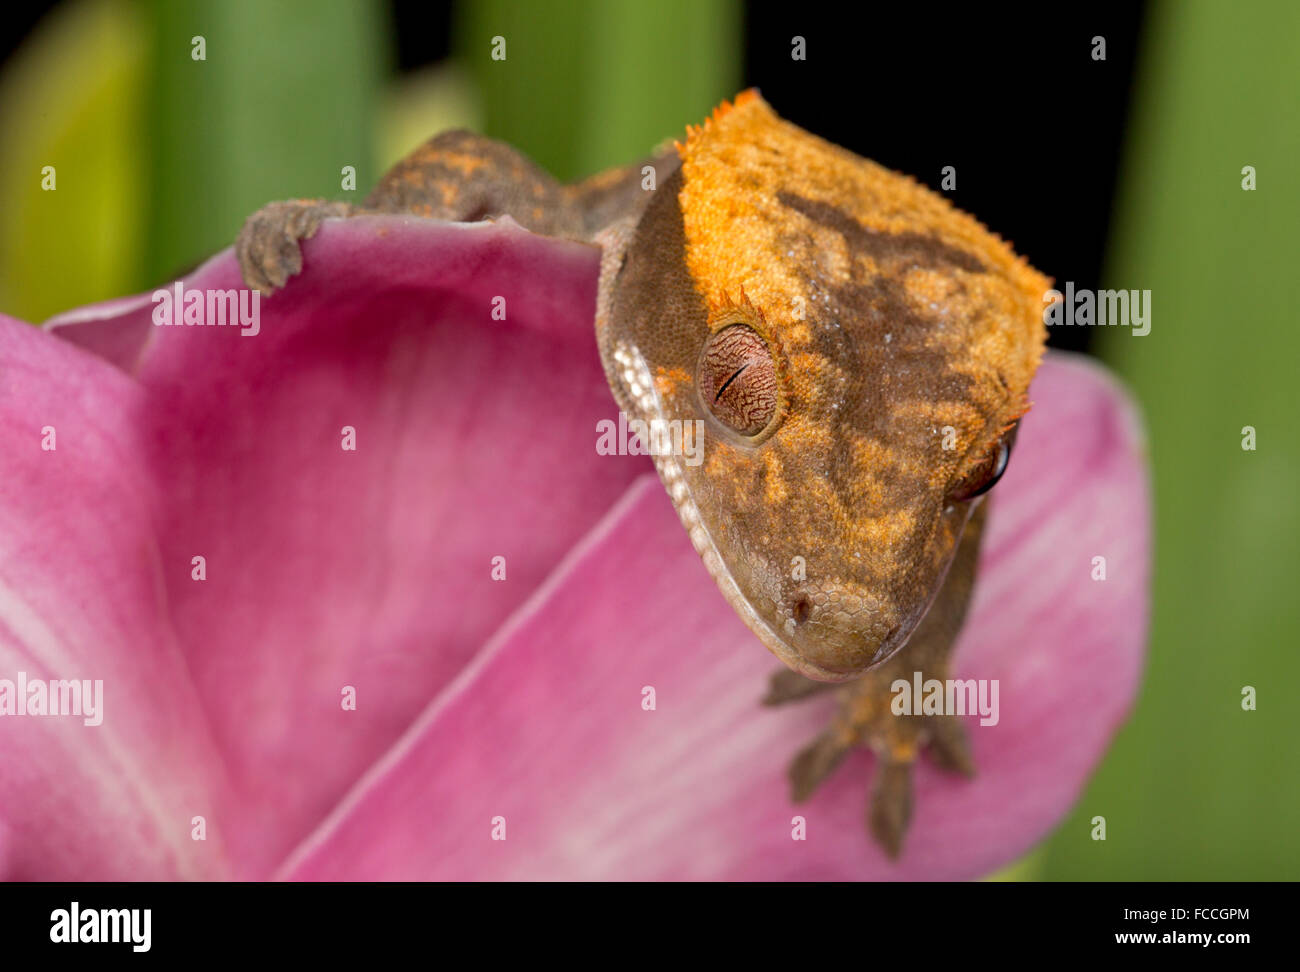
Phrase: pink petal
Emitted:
{"points": [[81, 598], [546, 727], [370, 569]]}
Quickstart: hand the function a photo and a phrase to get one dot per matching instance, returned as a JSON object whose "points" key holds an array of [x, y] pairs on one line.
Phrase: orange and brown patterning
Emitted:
{"points": [[902, 337], [857, 352]]}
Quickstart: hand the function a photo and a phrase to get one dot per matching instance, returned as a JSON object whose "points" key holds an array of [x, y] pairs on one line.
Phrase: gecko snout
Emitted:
{"points": [[838, 630]]}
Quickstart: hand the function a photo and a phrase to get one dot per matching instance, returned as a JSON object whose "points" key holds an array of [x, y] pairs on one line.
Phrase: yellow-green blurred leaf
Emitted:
{"points": [[421, 104], [71, 99]]}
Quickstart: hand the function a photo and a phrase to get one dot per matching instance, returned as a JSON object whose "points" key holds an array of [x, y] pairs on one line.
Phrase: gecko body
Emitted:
{"points": [[859, 354]]}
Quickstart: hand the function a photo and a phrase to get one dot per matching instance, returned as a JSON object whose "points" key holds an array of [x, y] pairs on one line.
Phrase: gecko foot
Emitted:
{"points": [[864, 717], [268, 246]]}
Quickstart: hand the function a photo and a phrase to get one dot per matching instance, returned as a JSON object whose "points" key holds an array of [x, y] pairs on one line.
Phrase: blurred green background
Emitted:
{"points": [[159, 157]]}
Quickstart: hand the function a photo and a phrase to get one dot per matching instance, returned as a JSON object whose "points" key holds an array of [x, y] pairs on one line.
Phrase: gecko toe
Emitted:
{"points": [[814, 763], [269, 245], [891, 806], [789, 686], [949, 746]]}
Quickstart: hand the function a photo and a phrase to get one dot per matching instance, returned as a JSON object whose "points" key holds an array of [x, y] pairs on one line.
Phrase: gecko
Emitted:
{"points": [[858, 352]]}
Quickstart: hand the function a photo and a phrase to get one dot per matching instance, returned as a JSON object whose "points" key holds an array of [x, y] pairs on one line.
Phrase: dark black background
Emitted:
{"points": [[1011, 98]]}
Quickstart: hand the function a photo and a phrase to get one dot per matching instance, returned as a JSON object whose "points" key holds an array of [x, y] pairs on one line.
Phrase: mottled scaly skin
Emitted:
{"points": [[903, 337], [458, 176]]}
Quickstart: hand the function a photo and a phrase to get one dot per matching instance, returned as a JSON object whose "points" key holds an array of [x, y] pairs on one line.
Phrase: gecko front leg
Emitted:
{"points": [[865, 717], [457, 176]]}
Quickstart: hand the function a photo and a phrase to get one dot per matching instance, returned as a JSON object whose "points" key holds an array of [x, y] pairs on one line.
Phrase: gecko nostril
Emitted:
{"points": [[802, 608]]}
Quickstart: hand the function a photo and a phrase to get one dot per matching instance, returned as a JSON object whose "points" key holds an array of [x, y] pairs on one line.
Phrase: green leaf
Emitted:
{"points": [[284, 99], [589, 84], [1197, 788]]}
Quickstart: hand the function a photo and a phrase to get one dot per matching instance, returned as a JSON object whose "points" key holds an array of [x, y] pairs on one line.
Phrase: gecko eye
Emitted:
{"points": [[737, 379], [986, 475]]}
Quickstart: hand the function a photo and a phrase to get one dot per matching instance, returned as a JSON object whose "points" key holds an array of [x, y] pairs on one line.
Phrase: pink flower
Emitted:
{"points": [[329, 572]]}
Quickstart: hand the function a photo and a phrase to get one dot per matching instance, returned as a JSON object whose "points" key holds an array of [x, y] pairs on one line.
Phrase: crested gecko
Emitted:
{"points": [[859, 352]]}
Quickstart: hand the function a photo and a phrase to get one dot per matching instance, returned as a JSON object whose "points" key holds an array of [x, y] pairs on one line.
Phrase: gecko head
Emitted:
{"points": [[856, 354], [835, 483]]}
